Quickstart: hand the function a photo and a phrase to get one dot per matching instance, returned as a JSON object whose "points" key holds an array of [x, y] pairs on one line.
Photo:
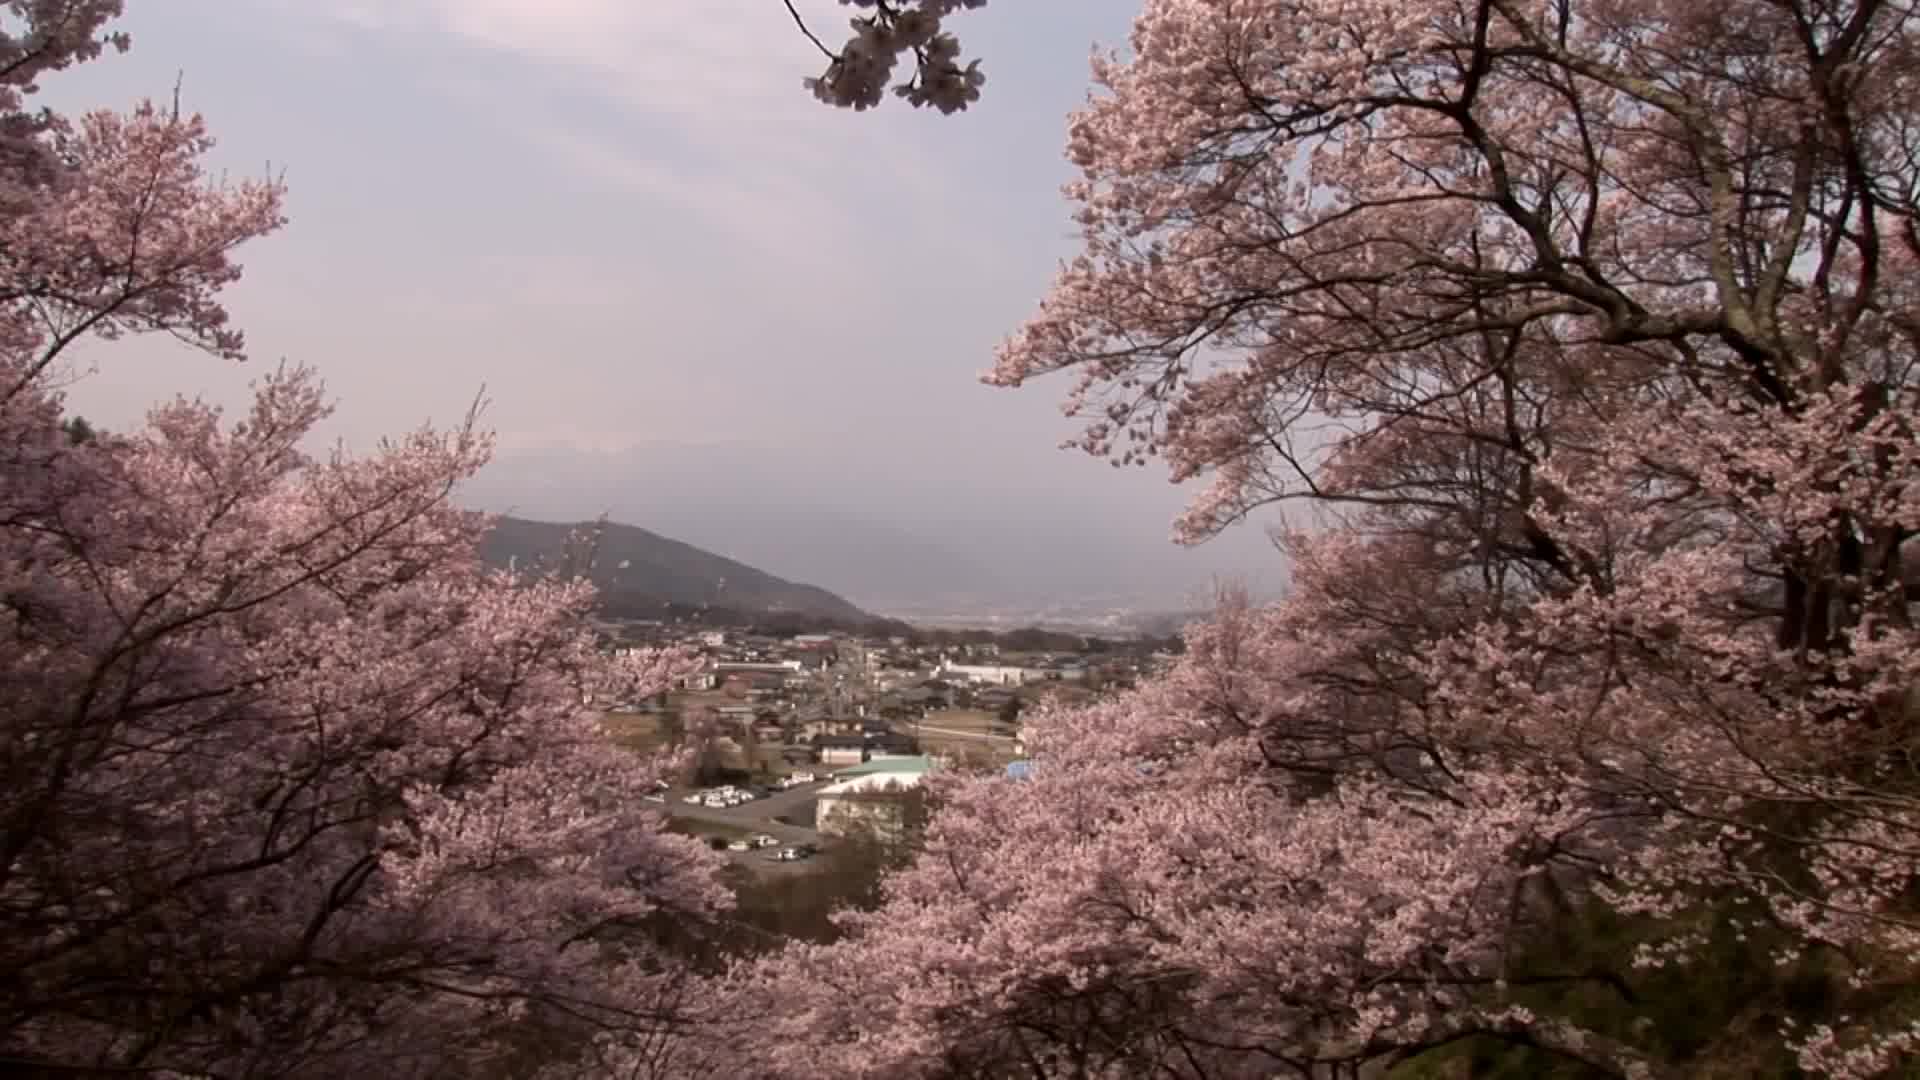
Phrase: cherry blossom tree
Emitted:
{"points": [[292, 785], [1586, 333], [1159, 898], [858, 74]]}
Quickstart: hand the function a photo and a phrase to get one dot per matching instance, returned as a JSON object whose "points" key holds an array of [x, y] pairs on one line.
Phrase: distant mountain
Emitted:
{"points": [[782, 512], [895, 527], [640, 573]]}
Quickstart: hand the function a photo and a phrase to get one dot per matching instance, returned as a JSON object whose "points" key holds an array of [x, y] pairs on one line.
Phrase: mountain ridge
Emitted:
{"points": [[638, 570], [871, 526]]}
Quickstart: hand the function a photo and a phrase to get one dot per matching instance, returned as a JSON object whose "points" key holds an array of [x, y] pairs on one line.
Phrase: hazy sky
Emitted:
{"points": [[629, 222]]}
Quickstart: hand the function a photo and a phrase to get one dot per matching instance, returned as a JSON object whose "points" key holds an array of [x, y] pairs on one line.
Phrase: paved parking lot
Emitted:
{"points": [[758, 816]]}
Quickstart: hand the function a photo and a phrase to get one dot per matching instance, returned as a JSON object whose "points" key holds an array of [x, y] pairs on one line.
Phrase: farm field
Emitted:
{"points": [[966, 734], [643, 733], [972, 721]]}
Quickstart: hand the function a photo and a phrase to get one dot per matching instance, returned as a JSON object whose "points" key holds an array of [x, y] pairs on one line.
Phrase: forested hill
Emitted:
{"points": [[640, 572]]}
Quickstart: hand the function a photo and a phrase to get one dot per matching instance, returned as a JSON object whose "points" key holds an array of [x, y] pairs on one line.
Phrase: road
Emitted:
{"points": [[952, 733]]}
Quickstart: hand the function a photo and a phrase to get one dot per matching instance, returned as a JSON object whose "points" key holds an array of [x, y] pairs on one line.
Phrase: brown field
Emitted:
{"points": [[687, 701], [1064, 694], [639, 732], [970, 720], [965, 734]]}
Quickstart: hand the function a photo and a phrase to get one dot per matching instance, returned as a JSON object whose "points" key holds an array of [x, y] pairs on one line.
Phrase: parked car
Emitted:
{"points": [[656, 797], [739, 845], [762, 840]]}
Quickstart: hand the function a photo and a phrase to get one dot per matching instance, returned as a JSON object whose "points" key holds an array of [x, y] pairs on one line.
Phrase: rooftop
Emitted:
{"points": [[918, 764]]}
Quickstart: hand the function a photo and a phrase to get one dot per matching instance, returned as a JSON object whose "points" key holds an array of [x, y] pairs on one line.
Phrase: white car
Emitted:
{"points": [[762, 840], [696, 798], [739, 845]]}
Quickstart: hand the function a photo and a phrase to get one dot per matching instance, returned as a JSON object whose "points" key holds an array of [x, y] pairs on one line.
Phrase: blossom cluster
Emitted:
{"points": [[858, 75]]}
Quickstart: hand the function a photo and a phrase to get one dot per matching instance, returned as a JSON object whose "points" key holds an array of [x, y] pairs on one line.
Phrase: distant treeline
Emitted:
{"points": [[793, 623]]}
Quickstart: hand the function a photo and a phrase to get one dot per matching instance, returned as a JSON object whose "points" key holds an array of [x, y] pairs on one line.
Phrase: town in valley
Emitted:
{"points": [[792, 742]]}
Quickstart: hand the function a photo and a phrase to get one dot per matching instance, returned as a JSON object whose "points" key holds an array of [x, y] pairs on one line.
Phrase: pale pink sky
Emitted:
{"points": [[630, 223]]}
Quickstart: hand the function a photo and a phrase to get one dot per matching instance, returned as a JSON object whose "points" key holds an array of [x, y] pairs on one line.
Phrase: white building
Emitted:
{"points": [[840, 749], [870, 797], [983, 674], [1007, 674]]}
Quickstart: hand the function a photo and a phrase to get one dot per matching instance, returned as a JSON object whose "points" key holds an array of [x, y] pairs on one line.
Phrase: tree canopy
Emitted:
{"points": [[1582, 336], [292, 786]]}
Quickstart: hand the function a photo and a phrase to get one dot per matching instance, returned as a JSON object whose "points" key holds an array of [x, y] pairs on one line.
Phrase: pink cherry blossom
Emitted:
{"points": [[293, 785], [1580, 336], [858, 74]]}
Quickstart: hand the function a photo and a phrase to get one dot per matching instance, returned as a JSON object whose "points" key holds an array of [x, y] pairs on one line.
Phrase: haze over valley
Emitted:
{"points": [[900, 529]]}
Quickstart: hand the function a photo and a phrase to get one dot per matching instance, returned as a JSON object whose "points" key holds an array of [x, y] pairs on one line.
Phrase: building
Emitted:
{"points": [[1009, 674], [840, 749], [773, 667], [891, 745], [874, 797], [982, 674]]}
